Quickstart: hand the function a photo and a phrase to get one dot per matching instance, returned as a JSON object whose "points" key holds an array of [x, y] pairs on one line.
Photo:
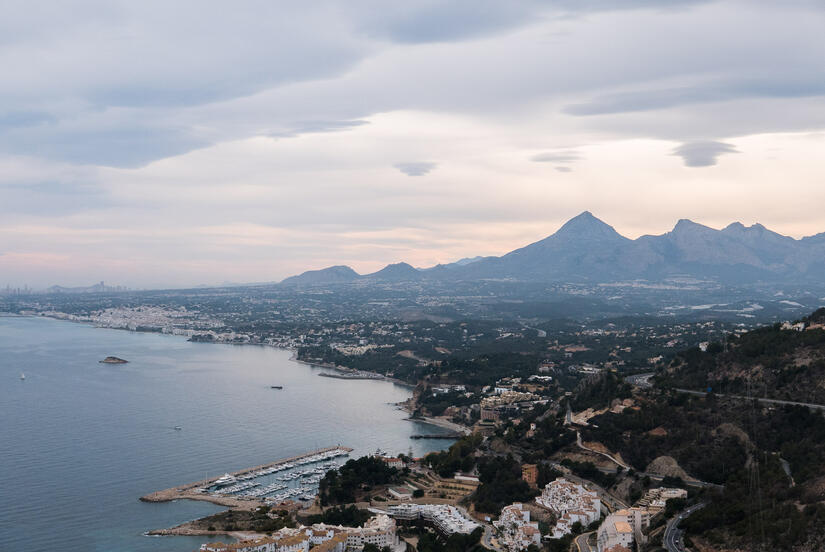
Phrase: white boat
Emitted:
{"points": [[225, 480], [22, 376]]}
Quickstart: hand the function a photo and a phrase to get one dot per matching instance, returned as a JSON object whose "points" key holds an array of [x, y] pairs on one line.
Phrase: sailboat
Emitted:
{"points": [[22, 376]]}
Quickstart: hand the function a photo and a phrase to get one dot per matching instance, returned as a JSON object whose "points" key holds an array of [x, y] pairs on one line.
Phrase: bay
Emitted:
{"points": [[81, 441]]}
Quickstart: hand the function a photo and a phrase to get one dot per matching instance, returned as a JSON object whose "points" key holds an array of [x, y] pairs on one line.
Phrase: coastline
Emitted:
{"points": [[142, 350], [293, 356], [443, 423]]}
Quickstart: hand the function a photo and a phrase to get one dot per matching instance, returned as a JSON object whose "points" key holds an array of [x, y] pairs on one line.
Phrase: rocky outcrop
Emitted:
{"points": [[666, 466]]}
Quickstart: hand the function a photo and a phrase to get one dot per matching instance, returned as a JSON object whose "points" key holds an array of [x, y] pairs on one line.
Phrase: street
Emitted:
{"points": [[581, 542], [672, 539]]}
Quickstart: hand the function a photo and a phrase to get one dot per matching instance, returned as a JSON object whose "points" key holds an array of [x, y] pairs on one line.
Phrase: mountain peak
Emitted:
{"points": [[585, 223], [687, 225], [396, 271], [329, 275], [587, 226], [734, 227]]}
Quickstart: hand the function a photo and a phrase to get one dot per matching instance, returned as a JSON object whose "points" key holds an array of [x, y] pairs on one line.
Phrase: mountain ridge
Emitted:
{"points": [[587, 249]]}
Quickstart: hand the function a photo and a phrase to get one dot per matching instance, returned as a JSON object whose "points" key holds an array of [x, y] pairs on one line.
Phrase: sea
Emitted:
{"points": [[81, 441]]}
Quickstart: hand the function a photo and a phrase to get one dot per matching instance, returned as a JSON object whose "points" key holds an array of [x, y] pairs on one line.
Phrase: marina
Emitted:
{"points": [[297, 479]]}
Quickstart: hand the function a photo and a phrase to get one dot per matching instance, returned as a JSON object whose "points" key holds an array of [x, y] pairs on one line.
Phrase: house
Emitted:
{"points": [[530, 472], [400, 493]]}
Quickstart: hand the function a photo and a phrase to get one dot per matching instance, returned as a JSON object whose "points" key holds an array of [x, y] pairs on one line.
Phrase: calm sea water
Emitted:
{"points": [[81, 441]]}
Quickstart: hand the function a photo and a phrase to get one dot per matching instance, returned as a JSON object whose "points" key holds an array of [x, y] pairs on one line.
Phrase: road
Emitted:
{"points": [[640, 380], [581, 542], [608, 456], [487, 539], [672, 539], [763, 401]]}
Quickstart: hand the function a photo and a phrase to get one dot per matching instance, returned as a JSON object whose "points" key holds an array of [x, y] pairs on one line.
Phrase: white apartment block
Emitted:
{"points": [[623, 528], [656, 499], [447, 519]]}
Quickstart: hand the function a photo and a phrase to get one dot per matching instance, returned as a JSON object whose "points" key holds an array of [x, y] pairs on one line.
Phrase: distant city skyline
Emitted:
{"points": [[153, 145]]}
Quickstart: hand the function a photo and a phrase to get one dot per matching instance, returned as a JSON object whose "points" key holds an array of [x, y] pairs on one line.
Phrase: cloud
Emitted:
{"points": [[415, 168], [793, 86], [283, 115], [308, 127], [562, 156], [702, 154]]}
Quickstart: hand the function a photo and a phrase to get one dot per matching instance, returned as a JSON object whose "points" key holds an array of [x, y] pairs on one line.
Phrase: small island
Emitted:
{"points": [[113, 360]]}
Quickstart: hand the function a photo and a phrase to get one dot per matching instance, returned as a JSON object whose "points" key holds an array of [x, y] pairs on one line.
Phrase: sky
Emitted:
{"points": [[167, 144]]}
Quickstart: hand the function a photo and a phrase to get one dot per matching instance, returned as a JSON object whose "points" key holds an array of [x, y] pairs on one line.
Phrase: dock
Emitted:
{"points": [[190, 491]]}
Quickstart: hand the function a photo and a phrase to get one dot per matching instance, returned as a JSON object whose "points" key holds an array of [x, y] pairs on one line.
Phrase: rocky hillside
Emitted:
{"points": [[778, 362]]}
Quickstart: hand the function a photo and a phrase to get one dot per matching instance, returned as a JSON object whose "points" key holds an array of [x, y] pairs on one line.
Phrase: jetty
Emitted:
{"points": [[194, 491], [355, 375], [454, 436]]}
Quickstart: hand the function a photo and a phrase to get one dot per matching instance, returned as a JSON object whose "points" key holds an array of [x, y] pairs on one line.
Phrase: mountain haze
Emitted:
{"points": [[586, 249]]}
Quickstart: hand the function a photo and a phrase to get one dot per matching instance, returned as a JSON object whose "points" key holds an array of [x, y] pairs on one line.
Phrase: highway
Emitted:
{"points": [[812, 406], [640, 380], [672, 539]]}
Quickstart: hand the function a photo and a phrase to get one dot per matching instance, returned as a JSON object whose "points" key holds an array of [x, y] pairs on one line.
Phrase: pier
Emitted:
{"points": [[193, 491], [454, 436]]}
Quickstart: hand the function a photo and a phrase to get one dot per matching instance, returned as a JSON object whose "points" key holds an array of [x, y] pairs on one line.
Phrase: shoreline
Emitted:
{"points": [[442, 423], [293, 356]]}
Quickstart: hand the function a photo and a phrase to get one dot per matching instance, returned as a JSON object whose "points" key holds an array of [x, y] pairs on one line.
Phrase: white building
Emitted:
{"points": [[447, 519], [622, 528], [277, 543], [379, 531], [571, 503], [656, 499], [515, 528], [614, 532]]}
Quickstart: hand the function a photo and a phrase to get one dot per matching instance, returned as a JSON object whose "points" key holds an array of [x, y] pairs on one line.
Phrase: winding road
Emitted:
{"points": [[812, 406], [672, 539]]}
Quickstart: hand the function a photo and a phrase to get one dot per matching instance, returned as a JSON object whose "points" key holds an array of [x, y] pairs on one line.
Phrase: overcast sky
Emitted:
{"points": [[183, 143]]}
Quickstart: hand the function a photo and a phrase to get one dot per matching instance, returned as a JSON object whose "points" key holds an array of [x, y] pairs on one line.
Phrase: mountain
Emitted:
{"points": [[586, 249], [332, 275], [395, 273]]}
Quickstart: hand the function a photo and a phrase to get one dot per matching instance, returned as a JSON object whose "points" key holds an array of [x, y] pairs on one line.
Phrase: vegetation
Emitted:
{"points": [[767, 362], [770, 459], [430, 542], [258, 520], [459, 457], [588, 470], [599, 391], [349, 516], [501, 484], [340, 486]]}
